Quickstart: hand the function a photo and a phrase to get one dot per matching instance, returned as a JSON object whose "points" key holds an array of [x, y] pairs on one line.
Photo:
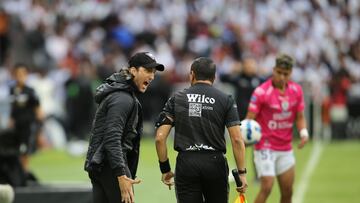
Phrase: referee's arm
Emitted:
{"points": [[162, 134], [163, 126], [238, 148]]}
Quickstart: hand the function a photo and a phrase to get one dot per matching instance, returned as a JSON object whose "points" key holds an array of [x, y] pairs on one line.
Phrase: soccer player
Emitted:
{"points": [[113, 153], [275, 105], [199, 114]]}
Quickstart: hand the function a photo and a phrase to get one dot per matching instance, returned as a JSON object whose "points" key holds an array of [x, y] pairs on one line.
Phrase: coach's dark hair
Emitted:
{"points": [[204, 69]]}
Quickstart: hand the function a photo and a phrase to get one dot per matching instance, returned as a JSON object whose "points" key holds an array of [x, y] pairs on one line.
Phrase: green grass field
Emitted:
{"points": [[335, 178]]}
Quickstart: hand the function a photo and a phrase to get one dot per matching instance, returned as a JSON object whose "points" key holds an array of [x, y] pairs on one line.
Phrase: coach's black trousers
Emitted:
{"points": [[105, 185], [201, 177]]}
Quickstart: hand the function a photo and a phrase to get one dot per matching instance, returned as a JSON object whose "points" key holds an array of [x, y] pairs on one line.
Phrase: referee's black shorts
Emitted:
{"points": [[201, 176]]}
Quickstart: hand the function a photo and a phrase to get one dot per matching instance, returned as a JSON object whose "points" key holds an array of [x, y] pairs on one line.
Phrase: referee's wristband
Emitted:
{"points": [[242, 171], [165, 166]]}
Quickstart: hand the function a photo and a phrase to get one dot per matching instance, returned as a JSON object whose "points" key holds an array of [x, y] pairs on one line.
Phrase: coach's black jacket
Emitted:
{"points": [[116, 129]]}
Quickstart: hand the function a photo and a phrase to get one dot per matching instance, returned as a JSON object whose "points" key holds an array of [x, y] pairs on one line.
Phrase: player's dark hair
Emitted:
{"points": [[284, 61], [204, 69]]}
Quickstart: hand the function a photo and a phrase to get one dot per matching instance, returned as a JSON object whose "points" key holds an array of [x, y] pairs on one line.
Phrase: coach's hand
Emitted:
{"points": [[126, 189], [244, 185], [167, 179]]}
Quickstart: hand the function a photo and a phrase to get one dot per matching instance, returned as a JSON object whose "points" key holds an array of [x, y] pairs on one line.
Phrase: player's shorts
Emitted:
{"points": [[273, 163]]}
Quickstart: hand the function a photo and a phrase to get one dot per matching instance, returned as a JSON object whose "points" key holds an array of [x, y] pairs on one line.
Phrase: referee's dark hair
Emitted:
{"points": [[204, 69], [20, 65]]}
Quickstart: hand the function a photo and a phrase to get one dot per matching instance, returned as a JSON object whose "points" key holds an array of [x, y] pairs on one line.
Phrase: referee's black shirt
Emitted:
{"points": [[200, 114]]}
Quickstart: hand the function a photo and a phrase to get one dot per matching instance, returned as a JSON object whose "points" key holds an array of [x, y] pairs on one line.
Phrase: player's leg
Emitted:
{"points": [[265, 167], [266, 184], [285, 171], [286, 181]]}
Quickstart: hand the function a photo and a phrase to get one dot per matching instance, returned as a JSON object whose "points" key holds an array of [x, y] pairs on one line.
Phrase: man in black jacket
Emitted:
{"points": [[113, 152], [199, 114], [244, 82]]}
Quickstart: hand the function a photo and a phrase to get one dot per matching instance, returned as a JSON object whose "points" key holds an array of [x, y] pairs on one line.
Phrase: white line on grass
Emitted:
{"points": [[310, 166], [231, 178], [67, 183]]}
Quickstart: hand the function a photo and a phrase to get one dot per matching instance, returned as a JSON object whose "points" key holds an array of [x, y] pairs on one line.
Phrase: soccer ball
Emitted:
{"points": [[250, 131], [6, 194]]}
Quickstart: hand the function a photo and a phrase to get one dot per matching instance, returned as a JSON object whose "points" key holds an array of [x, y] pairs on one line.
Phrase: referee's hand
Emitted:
{"points": [[244, 185], [167, 179], [126, 189]]}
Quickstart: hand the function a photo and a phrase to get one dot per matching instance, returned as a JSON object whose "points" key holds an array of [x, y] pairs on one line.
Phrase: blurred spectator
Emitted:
{"points": [[79, 106], [11, 169], [53, 124], [244, 80], [4, 98], [59, 34], [339, 87], [4, 39], [26, 115]]}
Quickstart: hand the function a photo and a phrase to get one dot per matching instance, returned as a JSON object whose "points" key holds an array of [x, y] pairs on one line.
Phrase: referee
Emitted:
{"points": [[199, 114]]}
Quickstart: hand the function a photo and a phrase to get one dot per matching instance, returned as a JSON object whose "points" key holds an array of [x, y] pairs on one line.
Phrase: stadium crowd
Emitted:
{"points": [[71, 46]]}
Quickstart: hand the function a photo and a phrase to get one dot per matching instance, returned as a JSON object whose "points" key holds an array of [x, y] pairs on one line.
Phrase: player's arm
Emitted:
{"points": [[301, 126], [238, 148]]}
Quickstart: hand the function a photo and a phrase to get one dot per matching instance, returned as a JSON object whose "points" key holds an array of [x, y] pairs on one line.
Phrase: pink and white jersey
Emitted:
{"points": [[276, 113]]}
